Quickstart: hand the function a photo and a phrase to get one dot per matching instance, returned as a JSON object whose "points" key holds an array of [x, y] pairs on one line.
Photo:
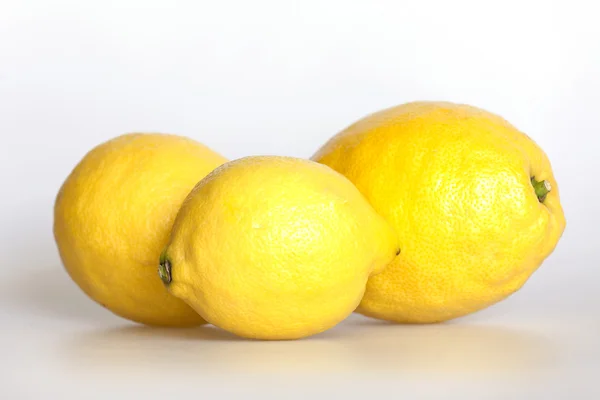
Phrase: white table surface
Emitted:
{"points": [[272, 77]]}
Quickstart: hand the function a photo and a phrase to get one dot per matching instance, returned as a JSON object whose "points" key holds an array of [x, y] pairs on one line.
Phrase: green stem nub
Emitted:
{"points": [[542, 188], [164, 269]]}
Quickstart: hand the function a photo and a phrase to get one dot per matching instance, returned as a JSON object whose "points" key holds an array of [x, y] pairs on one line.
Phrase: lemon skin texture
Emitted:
{"points": [[113, 216], [275, 248], [457, 183]]}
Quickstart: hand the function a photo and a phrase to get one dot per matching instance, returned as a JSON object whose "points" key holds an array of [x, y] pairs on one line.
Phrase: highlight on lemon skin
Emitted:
{"points": [[479, 236], [284, 250]]}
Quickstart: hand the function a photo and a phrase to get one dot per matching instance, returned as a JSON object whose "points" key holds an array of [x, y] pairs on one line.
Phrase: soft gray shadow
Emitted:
{"points": [[148, 333], [51, 293], [358, 345], [201, 349], [452, 348]]}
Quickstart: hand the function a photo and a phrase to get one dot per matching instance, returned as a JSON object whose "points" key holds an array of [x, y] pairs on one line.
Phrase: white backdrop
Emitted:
{"points": [[281, 77]]}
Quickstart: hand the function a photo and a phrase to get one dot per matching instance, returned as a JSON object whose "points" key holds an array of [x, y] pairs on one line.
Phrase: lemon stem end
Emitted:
{"points": [[542, 188], [164, 269]]}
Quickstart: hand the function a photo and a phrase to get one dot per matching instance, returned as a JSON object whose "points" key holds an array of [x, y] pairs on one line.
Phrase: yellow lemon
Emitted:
{"points": [[473, 200], [113, 216], [275, 248]]}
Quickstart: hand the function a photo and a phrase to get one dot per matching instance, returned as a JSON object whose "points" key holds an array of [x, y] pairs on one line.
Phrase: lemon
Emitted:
{"points": [[275, 248], [473, 200], [113, 215]]}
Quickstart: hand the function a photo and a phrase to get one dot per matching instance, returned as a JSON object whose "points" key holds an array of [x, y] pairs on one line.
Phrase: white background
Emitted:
{"points": [[280, 77]]}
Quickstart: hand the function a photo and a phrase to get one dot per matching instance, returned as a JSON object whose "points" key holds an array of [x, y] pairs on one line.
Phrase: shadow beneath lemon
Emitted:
{"points": [[204, 348], [357, 345], [50, 293], [453, 348]]}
